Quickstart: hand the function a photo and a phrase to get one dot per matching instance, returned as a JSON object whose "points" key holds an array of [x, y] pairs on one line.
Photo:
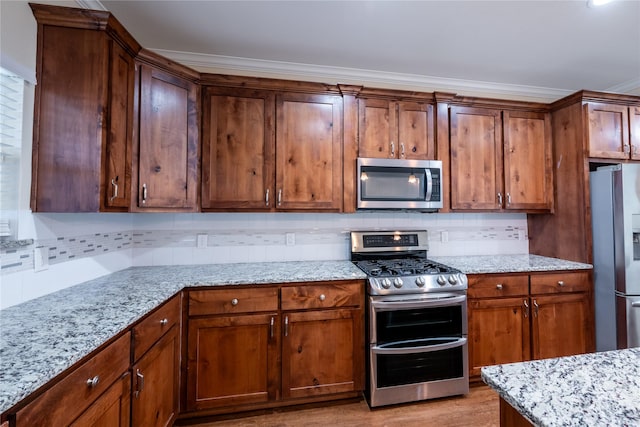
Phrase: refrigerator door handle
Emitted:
{"points": [[635, 304]]}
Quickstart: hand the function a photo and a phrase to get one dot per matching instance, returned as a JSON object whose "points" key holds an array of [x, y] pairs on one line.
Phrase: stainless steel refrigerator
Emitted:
{"points": [[615, 215]]}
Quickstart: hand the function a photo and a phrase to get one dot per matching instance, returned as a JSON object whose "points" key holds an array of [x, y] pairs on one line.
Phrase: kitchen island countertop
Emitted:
{"points": [[43, 337], [596, 389]]}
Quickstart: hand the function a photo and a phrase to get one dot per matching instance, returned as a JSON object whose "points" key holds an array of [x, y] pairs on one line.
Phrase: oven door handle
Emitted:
{"points": [[422, 349], [417, 303]]}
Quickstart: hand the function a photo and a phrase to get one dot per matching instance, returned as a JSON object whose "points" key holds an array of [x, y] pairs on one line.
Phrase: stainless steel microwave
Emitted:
{"points": [[399, 184]]}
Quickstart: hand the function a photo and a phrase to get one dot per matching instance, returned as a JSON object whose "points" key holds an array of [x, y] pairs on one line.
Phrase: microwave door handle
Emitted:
{"points": [[429, 189], [422, 349]]}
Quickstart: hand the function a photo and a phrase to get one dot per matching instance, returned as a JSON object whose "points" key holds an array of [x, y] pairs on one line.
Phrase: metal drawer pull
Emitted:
{"points": [[164, 321], [526, 308], [499, 286], [140, 385], [560, 283], [322, 297], [535, 308], [92, 382], [234, 301]]}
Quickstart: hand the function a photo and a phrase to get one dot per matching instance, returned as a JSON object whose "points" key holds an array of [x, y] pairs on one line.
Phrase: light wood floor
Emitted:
{"points": [[477, 409]]}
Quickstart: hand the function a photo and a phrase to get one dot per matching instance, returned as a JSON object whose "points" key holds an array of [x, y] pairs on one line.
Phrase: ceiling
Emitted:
{"points": [[535, 49]]}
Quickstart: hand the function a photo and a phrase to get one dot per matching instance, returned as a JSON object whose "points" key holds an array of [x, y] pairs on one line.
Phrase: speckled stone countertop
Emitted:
{"points": [[41, 338], [597, 389], [484, 264]]}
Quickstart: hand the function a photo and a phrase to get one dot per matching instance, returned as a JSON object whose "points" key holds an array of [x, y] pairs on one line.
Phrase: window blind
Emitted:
{"points": [[11, 109]]}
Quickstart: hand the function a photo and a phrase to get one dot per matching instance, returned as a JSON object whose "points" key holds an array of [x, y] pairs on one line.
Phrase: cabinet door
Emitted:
{"points": [[117, 159], [309, 152], [476, 158], [528, 176], [238, 149], [498, 332], [377, 129], [319, 352], [155, 395], [415, 131], [232, 360], [634, 132], [561, 325], [168, 142], [111, 409], [608, 131]]}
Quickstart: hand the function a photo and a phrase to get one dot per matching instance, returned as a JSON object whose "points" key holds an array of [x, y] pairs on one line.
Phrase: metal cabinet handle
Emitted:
{"points": [[499, 286], [402, 150], [508, 198], [234, 301], [92, 382], [526, 308], [626, 148], [266, 197], [115, 188], [140, 383], [271, 323], [164, 321], [560, 283], [144, 193], [286, 326], [393, 150], [500, 198], [322, 297], [280, 197], [535, 308], [634, 149]]}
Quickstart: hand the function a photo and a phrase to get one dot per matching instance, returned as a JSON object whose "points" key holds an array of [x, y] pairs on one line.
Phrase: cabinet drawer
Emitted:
{"points": [[560, 282], [229, 301], [152, 327], [497, 286], [321, 296], [70, 396]]}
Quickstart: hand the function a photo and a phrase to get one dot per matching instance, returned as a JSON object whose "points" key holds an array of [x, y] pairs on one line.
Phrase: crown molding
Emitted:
{"points": [[334, 75], [91, 4], [632, 86]]}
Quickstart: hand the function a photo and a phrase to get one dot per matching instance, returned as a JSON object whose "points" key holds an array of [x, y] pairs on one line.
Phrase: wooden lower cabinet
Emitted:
{"points": [[111, 409], [551, 317], [244, 354]]}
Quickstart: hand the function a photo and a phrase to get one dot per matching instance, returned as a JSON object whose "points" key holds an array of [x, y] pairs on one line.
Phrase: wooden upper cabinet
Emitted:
{"points": [[308, 152], [528, 181], [395, 129], [608, 131], [167, 150], [634, 132], [238, 148], [476, 158], [83, 112]]}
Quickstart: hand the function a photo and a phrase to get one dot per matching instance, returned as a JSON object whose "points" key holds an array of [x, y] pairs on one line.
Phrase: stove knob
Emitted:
{"points": [[397, 282], [386, 283], [441, 280], [420, 281], [453, 280]]}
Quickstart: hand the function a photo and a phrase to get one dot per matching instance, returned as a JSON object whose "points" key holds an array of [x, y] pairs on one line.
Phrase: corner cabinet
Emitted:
{"points": [[500, 160], [271, 151], [395, 128], [166, 143], [513, 318], [274, 345], [83, 112]]}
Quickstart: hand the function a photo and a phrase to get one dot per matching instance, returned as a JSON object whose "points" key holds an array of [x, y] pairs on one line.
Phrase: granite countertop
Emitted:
{"points": [[485, 264], [43, 337], [596, 389]]}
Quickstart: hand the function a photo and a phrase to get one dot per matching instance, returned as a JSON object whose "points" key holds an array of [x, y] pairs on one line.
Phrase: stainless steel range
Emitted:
{"points": [[416, 321]]}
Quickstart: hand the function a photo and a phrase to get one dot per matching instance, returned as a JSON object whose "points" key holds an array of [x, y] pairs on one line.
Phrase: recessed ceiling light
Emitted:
{"points": [[596, 3]]}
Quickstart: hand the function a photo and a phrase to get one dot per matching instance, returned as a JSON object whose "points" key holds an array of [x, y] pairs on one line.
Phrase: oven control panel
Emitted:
{"points": [[417, 284]]}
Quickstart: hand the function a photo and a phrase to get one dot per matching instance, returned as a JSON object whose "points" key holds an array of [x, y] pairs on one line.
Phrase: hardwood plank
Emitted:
{"points": [[480, 408]]}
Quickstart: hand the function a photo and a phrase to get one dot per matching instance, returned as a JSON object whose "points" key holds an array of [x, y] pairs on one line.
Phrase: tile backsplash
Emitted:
{"points": [[75, 249]]}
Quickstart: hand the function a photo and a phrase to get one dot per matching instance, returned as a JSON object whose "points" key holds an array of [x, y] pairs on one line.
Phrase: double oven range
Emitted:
{"points": [[416, 319]]}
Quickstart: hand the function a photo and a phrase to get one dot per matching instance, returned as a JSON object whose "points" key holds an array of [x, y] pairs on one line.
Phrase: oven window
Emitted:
{"points": [[413, 368], [419, 323]]}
